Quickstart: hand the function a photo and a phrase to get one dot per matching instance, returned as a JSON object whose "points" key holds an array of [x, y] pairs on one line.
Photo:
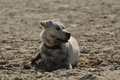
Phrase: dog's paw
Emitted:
{"points": [[69, 66], [32, 62], [27, 65]]}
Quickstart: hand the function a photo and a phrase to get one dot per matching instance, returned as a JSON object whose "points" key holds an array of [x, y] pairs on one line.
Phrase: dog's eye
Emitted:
{"points": [[57, 28]]}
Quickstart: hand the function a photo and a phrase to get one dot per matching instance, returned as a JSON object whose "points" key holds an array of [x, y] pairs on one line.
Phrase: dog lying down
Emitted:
{"points": [[58, 49]]}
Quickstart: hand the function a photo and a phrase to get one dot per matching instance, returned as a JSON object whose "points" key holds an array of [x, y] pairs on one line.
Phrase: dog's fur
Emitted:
{"points": [[58, 47]]}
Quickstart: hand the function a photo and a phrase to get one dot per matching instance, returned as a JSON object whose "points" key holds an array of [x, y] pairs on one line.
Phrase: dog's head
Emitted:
{"points": [[55, 31]]}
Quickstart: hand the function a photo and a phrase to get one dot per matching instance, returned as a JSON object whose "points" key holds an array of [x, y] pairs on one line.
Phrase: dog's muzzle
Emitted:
{"points": [[65, 40], [68, 35]]}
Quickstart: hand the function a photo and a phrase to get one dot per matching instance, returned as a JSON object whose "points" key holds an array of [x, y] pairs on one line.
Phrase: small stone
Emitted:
{"points": [[89, 76], [18, 79], [8, 48], [3, 41], [2, 67]]}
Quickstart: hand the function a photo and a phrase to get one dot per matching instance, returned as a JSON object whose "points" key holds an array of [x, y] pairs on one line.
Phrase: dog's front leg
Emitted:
{"points": [[69, 66], [36, 58]]}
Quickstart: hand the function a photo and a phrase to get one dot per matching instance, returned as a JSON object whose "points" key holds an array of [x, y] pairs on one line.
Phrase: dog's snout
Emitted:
{"points": [[68, 35]]}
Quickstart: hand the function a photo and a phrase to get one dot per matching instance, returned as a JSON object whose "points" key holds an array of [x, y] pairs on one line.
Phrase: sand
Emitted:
{"points": [[94, 23]]}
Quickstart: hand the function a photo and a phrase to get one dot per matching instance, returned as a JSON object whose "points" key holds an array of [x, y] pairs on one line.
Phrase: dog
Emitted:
{"points": [[58, 47]]}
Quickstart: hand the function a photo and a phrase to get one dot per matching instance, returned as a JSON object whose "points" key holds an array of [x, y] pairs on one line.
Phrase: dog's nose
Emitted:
{"points": [[68, 35]]}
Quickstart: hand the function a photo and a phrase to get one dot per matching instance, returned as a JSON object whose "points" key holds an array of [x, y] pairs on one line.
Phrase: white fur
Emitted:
{"points": [[73, 50]]}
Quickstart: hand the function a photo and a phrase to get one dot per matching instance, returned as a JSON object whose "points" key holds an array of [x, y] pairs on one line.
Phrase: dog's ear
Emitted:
{"points": [[46, 24], [56, 20]]}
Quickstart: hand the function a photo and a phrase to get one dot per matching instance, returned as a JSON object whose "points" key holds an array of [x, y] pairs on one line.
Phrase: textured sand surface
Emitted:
{"points": [[94, 23]]}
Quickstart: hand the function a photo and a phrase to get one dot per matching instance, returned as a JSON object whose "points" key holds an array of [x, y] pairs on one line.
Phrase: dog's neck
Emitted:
{"points": [[52, 47], [51, 44], [48, 42]]}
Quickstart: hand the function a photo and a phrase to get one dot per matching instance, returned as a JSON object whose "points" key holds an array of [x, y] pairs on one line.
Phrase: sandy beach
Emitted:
{"points": [[95, 24]]}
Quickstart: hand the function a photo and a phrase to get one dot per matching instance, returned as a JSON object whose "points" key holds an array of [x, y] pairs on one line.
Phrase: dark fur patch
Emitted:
{"points": [[53, 47]]}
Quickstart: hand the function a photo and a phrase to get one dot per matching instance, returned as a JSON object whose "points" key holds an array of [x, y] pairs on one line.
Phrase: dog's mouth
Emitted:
{"points": [[61, 40]]}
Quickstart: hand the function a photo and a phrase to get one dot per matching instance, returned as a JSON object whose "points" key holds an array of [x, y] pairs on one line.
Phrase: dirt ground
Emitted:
{"points": [[94, 23]]}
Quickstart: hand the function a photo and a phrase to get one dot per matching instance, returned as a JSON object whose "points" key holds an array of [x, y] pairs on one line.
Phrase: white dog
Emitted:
{"points": [[58, 47]]}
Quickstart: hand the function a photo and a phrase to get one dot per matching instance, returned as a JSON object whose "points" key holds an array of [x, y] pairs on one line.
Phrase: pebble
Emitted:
{"points": [[8, 48]]}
